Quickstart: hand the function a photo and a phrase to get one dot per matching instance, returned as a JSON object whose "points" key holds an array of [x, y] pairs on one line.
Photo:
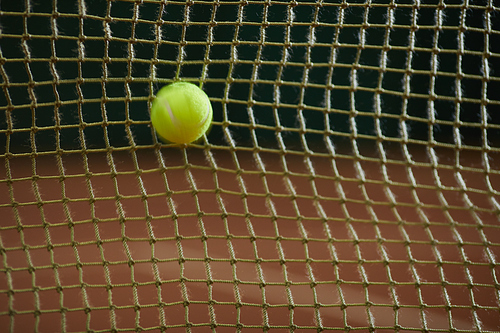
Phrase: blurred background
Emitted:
{"points": [[308, 65], [350, 179]]}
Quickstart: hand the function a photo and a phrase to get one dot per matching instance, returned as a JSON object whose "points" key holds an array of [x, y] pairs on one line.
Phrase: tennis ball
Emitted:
{"points": [[181, 112]]}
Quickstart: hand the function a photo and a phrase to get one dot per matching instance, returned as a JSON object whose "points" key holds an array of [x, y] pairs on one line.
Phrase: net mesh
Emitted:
{"points": [[350, 179]]}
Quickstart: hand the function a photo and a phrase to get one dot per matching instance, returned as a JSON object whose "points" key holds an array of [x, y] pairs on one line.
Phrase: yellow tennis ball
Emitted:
{"points": [[181, 112]]}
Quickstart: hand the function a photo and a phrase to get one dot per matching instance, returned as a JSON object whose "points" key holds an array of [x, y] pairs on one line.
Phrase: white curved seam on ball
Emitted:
{"points": [[177, 122], [207, 114], [171, 114]]}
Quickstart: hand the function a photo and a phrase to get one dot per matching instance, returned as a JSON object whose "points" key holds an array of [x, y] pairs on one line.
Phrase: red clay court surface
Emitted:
{"points": [[345, 256]]}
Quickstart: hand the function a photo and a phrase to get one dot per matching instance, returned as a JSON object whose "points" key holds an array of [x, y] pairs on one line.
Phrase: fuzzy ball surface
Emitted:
{"points": [[181, 112]]}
